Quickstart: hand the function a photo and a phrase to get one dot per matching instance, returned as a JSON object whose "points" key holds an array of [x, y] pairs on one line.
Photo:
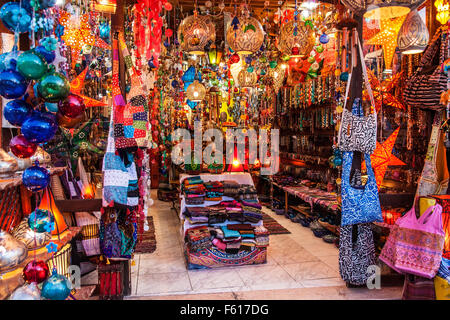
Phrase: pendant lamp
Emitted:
{"points": [[195, 32], [48, 203], [296, 41], [382, 9], [196, 91], [245, 35], [413, 36], [443, 11]]}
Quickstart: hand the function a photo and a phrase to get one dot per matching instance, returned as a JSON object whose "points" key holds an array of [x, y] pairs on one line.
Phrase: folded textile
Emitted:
{"points": [[193, 180], [199, 238], [247, 236], [253, 217], [233, 245], [261, 236], [236, 216], [195, 189], [253, 204], [241, 226], [195, 199], [197, 220], [260, 230], [230, 188], [230, 204], [196, 212], [217, 217], [219, 244], [229, 234], [217, 233], [247, 189]]}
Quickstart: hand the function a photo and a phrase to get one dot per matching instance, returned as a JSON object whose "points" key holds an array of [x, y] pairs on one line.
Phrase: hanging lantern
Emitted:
{"points": [[247, 79], [443, 11], [296, 43], [214, 56], [194, 33], [413, 35], [381, 9], [196, 91], [106, 6], [245, 35]]}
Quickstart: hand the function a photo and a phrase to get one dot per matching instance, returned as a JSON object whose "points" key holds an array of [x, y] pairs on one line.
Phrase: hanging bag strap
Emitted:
{"points": [[368, 87]]}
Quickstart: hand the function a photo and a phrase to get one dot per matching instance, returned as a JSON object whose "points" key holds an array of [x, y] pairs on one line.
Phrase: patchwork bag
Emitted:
{"points": [[358, 132], [424, 88], [359, 205], [355, 257], [414, 246]]}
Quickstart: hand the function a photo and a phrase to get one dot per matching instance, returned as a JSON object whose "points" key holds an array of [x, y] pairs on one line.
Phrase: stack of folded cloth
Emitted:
{"points": [[194, 190], [231, 188], [217, 214], [252, 214], [197, 215], [233, 210], [214, 190], [199, 238], [261, 236], [248, 192], [248, 242], [232, 240]]}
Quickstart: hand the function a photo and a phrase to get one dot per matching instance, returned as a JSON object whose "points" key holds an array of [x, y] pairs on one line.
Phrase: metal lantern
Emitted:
{"points": [[196, 91], [245, 36], [214, 56], [196, 32], [247, 79], [413, 36], [296, 43], [381, 9], [33, 240]]}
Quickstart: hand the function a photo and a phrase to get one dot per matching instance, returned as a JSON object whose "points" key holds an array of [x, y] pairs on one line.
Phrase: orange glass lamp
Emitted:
{"points": [[48, 203], [88, 192], [106, 6], [443, 11], [236, 165]]}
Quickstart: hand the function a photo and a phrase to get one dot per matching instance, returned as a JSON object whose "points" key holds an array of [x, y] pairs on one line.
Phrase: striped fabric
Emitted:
{"points": [[89, 232], [424, 88]]}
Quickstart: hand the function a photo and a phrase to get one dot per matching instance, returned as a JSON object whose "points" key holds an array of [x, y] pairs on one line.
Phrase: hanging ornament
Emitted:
{"points": [[324, 38], [381, 9], [21, 147], [234, 58], [383, 92], [36, 271], [72, 107], [40, 127], [17, 111], [14, 17], [77, 85], [56, 287], [35, 178], [41, 221], [12, 252], [52, 87], [8, 60], [12, 84], [32, 65], [48, 55]]}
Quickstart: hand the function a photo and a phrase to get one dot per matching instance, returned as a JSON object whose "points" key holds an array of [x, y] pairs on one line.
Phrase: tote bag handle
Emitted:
{"points": [[367, 84]]}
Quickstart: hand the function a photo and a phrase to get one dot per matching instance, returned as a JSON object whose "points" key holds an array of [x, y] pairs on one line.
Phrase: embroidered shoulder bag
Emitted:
{"points": [[414, 246]]}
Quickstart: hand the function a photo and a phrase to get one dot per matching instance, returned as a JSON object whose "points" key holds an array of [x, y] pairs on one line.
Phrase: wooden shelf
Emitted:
{"points": [[13, 279], [332, 228], [303, 210]]}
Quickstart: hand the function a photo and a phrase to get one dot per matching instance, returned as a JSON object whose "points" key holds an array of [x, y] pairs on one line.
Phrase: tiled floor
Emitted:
{"points": [[299, 266]]}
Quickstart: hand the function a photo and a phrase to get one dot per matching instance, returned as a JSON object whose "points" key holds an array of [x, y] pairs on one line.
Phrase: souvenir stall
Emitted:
{"points": [[77, 169]]}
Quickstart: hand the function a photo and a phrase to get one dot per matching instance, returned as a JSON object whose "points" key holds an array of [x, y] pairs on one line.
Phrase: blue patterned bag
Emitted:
{"points": [[359, 205], [444, 269]]}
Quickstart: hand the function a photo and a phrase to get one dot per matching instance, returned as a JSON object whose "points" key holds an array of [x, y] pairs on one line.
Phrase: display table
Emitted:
{"points": [[213, 257]]}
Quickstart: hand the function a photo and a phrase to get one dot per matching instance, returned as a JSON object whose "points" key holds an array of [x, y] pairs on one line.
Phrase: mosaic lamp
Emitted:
{"points": [[296, 41], [245, 35], [214, 56], [413, 36], [195, 32], [381, 9]]}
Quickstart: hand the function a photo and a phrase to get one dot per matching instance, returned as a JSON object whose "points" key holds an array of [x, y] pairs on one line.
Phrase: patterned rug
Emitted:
{"points": [[273, 226], [146, 240]]}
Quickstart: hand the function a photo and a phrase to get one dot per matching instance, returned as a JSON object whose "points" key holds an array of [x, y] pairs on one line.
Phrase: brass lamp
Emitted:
{"points": [[245, 37], [296, 43], [196, 91], [195, 32], [247, 79], [413, 36]]}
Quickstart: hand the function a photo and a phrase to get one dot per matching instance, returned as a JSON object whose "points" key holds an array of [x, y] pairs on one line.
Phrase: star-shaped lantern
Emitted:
{"points": [[77, 33], [77, 85], [382, 157], [387, 38], [382, 91]]}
